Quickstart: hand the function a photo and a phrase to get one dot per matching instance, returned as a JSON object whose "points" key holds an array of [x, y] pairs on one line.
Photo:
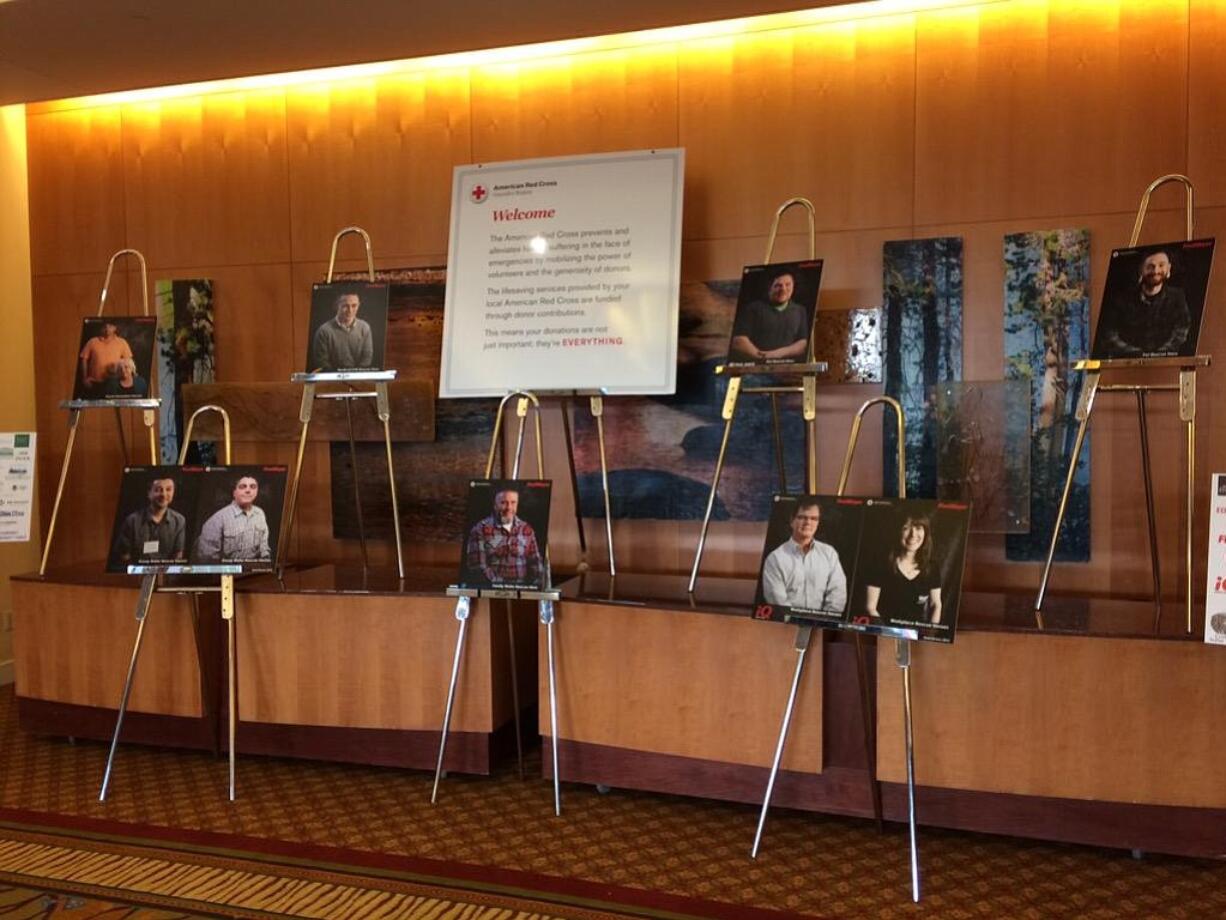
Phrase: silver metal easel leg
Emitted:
{"points": [[547, 618], [462, 608], [902, 655], [803, 636], [729, 412], [1084, 407], [227, 614], [384, 408], [142, 612]]}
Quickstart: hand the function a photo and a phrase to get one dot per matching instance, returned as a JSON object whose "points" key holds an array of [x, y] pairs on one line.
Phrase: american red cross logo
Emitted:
{"points": [[478, 193]]}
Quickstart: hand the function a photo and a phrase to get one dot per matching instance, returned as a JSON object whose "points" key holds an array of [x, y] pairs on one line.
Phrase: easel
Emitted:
{"points": [[902, 657], [1186, 388], [807, 370], [545, 600], [380, 379], [148, 406], [150, 585]]}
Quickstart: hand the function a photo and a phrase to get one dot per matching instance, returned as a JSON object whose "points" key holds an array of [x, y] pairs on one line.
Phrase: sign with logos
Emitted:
{"points": [[1215, 590], [564, 274], [16, 485]]}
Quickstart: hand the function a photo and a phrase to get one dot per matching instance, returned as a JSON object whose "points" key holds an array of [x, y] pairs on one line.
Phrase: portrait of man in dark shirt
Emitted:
{"points": [[774, 314], [156, 532], [1150, 318]]}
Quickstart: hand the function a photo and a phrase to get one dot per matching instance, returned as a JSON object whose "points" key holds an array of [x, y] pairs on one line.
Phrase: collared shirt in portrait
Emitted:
{"points": [[233, 535], [812, 580], [504, 554], [140, 530]]}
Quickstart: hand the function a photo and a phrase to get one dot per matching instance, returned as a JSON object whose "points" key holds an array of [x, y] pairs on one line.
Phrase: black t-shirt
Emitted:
{"points": [[904, 600], [769, 328]]}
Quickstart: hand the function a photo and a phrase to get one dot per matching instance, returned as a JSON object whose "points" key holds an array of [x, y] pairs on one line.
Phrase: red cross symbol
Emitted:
{"points": [[479, 193]]}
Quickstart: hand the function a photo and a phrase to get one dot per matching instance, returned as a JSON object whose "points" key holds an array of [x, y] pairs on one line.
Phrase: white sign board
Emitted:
{"points": [[16, 485], [563, 274], [1215, 591]]}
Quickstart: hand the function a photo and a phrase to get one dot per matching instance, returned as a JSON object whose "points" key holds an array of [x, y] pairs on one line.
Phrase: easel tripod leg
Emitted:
{"points": [[227, 613], [729, 413], [1187, 412], [1060, 510], [291, 505], [1147, 475], [547, 617], [74, 418], [384, 408], [462, 607], [903, 657], [803, 636], [142, 614]]}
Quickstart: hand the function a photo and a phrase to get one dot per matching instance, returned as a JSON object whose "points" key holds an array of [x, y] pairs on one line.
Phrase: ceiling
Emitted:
{"points": [[52, 49]]}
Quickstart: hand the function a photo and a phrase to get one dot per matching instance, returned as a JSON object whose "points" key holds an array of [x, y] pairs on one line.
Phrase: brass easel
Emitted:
{"points": [[805, 632], [148, 406], [807, 370], [545, 600], [1186, 388], [151, 584], [380, 379], [902, 657]]}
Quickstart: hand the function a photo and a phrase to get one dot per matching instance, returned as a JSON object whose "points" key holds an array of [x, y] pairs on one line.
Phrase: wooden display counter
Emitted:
{"points": [[1094, 730], [73, 631], [661, 691], [337, 666]]}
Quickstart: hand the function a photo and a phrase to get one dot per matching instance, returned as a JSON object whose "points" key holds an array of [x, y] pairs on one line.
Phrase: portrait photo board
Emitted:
{"points": [[499, 557], [118, 368], [362, 347], [773, 313], [898, 583], [1154, 301], [199, 526]]}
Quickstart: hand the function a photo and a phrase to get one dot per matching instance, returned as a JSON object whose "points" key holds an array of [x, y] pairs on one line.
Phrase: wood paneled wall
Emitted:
{"points": [[976, 121]]}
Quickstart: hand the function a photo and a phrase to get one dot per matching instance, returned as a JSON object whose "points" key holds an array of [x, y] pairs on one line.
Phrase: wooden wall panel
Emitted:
{"points": [[686, 684], [825, 112], [72, 644], [206, 179], [378, 154], [1116, 720], [383, 664], [1039, 107], [1207, 100], [590, 103], [76, 190]]}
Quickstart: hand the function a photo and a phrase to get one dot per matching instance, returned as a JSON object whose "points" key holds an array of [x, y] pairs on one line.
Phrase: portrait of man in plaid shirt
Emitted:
{"points": [[502, 548]]}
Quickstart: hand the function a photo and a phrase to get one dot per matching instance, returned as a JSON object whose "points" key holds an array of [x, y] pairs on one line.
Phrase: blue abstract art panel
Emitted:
{"points": [[922, 336], [1047, 329]]}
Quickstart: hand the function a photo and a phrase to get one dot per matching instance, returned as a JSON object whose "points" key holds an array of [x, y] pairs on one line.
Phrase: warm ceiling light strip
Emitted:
{"points": [[728, 27]]}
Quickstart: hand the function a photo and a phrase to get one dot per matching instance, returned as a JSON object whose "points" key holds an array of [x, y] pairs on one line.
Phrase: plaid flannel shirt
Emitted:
{"points": [[504, 556]]}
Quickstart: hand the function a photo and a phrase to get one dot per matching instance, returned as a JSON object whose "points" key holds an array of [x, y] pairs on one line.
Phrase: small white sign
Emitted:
{"points": [[1215, 590], [564, 274], [16, 485]]}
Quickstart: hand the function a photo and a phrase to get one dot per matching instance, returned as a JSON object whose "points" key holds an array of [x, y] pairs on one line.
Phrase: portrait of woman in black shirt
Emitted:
{"points": [[907, 585]]}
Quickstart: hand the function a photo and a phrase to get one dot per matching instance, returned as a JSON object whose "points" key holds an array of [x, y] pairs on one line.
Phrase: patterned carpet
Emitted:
{"points": [[633, 854]]}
